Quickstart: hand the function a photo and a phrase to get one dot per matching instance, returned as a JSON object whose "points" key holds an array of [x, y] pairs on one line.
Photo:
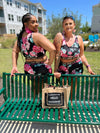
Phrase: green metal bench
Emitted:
{"points": [[23, 100]]}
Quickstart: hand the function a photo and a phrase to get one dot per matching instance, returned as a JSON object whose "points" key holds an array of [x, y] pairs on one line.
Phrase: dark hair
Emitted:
{"points": [[25, 19], [69, 16]]}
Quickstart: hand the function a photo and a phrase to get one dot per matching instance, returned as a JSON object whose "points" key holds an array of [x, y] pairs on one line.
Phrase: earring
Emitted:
{"points": [[63, 32], [74, 30]]}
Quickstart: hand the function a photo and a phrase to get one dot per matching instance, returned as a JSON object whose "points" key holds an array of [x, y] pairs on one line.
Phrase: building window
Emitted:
{"points": [[44, 13], [19, 18], [34, 8], [12, 31], [25, 7], [9, 2], [10, 17], [39, 11], [18, 4]]}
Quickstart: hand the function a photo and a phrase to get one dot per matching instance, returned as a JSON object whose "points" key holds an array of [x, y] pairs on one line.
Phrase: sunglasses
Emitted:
{"points": [[68, 16]]}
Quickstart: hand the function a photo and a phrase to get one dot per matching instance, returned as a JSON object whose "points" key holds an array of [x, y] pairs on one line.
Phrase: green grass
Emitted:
{"points": [[93, 59], [6, 61]]}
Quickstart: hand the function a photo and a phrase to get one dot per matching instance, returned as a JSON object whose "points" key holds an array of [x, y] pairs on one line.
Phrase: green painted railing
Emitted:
{"points": [[23, 93]]}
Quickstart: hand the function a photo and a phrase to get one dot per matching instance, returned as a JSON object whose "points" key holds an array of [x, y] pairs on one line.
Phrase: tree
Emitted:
{"points": [[55, 22], [86, 28]]}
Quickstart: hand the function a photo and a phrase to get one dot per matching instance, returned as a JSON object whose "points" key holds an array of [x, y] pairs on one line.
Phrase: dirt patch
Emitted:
{"points": [[92, 49]]}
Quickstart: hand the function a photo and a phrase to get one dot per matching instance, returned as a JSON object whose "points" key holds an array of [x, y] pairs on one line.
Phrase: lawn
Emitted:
{"points": [[6, 61]]}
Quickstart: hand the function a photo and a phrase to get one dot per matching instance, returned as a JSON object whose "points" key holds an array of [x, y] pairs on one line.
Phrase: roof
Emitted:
{"points": [[35, 4], [39, 4], [98, 5]]}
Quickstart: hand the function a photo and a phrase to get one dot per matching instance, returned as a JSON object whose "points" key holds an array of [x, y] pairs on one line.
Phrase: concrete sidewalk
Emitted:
{"points": [[30, 127]]}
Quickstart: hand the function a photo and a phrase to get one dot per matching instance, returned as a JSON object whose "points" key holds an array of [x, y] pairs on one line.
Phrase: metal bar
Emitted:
{"points": [[23, 109], [56, 114], [95, 89], [46, 114], [28, 86], [6, 108], [2, 90], [20, 86], [8, 86], [85, 112], [51, 114], [90, 111], [28, 109], [76, 112], [10, 108], [15, 108], [16, 86], [61, 114], [41, 114], [5, 103], [95, 111], [33, 109], [4, 86], [24, 86], [12, 86], [20, 107], [81, 111], [71, 112]]}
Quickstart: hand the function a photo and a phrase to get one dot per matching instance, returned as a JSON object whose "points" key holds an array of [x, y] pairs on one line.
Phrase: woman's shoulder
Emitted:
{"points": [[37, 35], [79, 37], [59, 34]]}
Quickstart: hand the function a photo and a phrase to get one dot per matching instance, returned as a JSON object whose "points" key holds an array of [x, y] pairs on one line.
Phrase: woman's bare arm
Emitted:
{"points": [[15, 53], [57, 43], [83, 58]]}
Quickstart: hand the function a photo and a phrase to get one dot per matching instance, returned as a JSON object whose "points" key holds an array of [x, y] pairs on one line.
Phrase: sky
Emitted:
{"points": [[83, 7]]}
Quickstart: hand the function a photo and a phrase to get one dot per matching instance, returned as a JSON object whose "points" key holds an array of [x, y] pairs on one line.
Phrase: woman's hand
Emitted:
{"points": [[90, 71], [57, 75], [46, 62], [14, 70]]}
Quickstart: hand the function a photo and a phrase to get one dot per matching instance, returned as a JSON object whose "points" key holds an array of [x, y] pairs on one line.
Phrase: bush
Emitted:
{"points": [[7, 42], [85, 36]]}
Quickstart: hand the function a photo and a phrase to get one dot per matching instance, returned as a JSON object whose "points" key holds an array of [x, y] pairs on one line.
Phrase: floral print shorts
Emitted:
{"points": [[37, 68], [74, 68]]}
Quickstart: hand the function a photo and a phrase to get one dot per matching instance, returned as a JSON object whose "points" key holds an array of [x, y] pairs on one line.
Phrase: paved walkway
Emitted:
{"points": [[29, 127]]}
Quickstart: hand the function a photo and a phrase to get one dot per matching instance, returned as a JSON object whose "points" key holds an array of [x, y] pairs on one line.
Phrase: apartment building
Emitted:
{"points": [[11, 12], [95, 27]]}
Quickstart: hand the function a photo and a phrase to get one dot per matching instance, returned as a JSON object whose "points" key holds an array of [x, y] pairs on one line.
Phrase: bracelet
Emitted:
{"points": [[87, 66]]}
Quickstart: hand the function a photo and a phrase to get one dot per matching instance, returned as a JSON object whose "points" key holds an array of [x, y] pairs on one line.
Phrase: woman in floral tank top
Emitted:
{"points": [[33, 46], [69, 50]]}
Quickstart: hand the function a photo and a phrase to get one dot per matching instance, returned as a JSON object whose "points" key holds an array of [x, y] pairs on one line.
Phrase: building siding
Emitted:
{"points": [[95, 27], [14, 10]]}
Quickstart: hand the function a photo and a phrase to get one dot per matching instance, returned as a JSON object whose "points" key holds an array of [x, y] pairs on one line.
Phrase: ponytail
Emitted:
{"points": [[19, 37], [25, 19]]}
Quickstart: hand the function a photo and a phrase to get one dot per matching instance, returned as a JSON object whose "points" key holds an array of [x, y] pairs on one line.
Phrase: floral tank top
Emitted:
{"points": [[70, 51], [29, 48]]}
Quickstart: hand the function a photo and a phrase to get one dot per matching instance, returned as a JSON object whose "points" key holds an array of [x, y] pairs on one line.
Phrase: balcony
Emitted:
{"points": [[40, 24], [1, 4], [2, 20], [39, 15]]}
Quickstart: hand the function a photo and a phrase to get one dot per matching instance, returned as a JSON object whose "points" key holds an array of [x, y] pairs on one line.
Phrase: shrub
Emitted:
{"points": [[7, 42]]}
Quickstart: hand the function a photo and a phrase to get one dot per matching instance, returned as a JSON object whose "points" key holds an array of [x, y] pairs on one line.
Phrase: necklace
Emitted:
{"points": [[70, 40], [28, 30]]}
